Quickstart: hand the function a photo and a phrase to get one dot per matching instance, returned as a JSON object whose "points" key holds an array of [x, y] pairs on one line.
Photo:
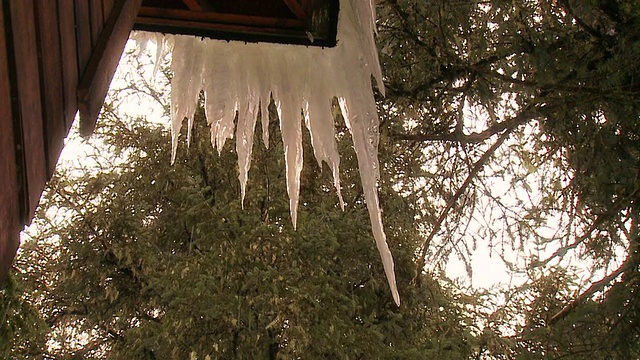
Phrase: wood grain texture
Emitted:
{"points": [[192, 5], [69, 52], [28, 102], [83, 33], [296, 22], [107, 5], [9, 203], [97, 20], [48, 38], [94, 83], [297, 9], [153, 13]]}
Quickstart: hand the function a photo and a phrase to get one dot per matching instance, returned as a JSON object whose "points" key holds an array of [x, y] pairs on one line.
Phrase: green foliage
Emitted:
{"points": [[161, 261], [22, 329], [560, 79]]}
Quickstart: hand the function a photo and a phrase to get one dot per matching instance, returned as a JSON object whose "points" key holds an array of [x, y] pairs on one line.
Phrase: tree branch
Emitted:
{"points": [[403, 17], [473, 138], [586, 27], [595, 287], [479, 165], [82, 353], [614, 210]]}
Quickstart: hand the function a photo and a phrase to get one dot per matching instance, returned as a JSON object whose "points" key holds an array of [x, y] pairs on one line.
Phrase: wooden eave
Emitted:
{"points": [[303, 22]]}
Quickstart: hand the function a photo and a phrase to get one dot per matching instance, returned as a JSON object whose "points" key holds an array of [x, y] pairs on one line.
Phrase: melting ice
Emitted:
{"points": [[240, 77]]}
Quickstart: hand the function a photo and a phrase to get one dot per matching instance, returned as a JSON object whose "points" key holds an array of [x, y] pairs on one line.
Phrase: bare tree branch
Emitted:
{"points": [[479, 165], [615, 208], [472, 138], [595, 287]]}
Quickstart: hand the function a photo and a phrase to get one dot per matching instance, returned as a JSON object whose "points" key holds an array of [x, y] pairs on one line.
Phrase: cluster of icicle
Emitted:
{"points": [[239, 77]]}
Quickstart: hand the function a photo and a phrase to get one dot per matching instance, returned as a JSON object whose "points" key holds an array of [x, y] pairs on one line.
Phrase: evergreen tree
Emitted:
{"points": [[160, 261], [526, 117]]}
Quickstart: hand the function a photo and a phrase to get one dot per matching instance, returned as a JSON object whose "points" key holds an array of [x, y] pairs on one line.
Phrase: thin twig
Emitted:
{"points": [[595, 287], [472, 138], [614, 210], [474, 171]]}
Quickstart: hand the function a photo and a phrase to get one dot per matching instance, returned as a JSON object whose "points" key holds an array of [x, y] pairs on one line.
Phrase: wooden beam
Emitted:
{"points": [[192, 5], [9, 201], [308, 6], [70, 67], [27, 105], [83, 33], [248, 28], [182, 27], [50, 59], [150, 14], [95, 81], [106, 7], [97, 19], [297, 10]]}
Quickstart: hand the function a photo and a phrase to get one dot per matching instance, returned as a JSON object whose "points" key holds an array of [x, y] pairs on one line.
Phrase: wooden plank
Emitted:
{"points": [[97, 20], [94, 83], [307, 5], [107, 5], [83, 33], [149, 14], [232, 26], [192, 5], [9, 200], [48, 37], [69, 52], [181, 27], [29, 102]]}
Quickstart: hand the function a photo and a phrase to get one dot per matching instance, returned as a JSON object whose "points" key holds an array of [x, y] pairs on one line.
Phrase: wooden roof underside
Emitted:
{"points": [[305, 22]]}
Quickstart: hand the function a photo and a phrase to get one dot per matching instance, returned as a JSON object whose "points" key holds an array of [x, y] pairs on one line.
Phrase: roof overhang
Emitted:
{"points": [[303, 22]]}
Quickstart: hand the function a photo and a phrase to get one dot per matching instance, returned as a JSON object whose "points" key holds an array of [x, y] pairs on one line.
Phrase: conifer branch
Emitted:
{"points": [[614, 210], [595, 287], [473, 138], [479, 165]]}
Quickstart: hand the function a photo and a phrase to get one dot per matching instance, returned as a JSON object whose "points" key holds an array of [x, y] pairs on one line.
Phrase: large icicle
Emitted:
{"points": [[241, 78], [186, 85]]}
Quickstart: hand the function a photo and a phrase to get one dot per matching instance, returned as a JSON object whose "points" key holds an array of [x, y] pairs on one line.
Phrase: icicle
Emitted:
{"points": [[318, 119], [142, 39], [287, 93], [185, 86], [244, 144], [361, 130], [240, 79]]}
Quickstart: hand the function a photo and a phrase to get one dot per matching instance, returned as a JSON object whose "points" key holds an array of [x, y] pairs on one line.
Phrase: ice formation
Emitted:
{"points": [[240, 77]]}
